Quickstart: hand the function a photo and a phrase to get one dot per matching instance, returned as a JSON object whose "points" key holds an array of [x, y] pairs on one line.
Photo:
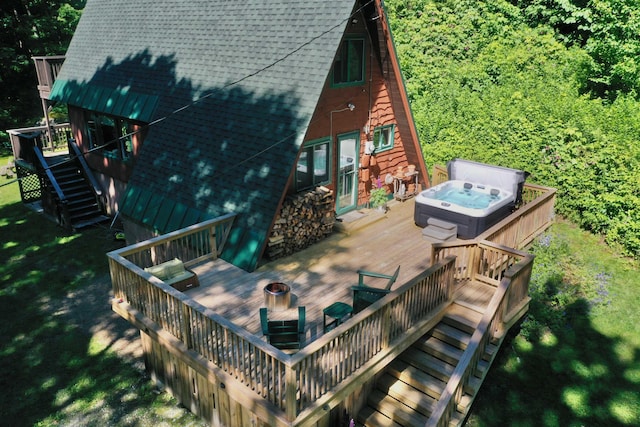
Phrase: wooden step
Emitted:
{"points": [[416, 378], [442, 224], [370, 417], [411, 397], [440, 349], [438, 234], [428, 363], [463, 318], [396, 410]]}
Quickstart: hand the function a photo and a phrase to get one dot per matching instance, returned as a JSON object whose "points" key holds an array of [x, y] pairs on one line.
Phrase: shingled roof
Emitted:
{"points": [[250, 74]]}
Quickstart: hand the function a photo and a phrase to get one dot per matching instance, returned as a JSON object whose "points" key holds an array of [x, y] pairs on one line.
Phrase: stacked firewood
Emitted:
{"points": [[304, 219]]}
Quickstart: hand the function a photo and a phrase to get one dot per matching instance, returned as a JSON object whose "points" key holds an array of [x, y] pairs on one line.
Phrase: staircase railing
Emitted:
{"points": [[86, 172], [57, 206], [490, 329]]}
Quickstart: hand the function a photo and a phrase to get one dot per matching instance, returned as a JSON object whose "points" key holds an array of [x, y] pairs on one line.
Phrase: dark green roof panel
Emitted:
{"points": [[115, 102]]}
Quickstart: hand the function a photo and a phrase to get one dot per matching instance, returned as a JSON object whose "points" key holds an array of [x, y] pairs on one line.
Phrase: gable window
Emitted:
{"points": [[383, 137], [348, 69], [110, 136], [312, 168]]}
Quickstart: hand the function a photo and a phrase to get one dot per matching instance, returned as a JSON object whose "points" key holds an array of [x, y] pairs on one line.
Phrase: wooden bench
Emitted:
{"points": [[174, 274]]}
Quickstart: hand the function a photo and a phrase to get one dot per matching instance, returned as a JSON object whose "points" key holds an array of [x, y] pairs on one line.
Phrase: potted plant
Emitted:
{"points": [[378, 196]]}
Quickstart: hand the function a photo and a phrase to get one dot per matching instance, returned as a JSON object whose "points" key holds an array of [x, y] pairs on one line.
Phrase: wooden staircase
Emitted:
{"points": [[408, 390], [83, 205]]}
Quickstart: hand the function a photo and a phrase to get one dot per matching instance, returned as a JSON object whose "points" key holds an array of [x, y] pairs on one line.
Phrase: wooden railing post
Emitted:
{"points": [[212, 242], [187, 339], [290, 392], [386, 327]]}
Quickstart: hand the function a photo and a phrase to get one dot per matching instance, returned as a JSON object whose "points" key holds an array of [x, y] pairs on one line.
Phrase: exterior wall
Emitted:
{"points": [[112, 174], [373, 108]]}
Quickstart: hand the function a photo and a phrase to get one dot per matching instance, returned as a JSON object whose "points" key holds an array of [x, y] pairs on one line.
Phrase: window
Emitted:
{"points": [[313, 166], [383, 137], [349, 66], [110, 136]]}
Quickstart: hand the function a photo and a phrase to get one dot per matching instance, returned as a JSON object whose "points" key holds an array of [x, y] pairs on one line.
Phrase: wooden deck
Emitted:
{"points": [[320, 274], [206, 343]]}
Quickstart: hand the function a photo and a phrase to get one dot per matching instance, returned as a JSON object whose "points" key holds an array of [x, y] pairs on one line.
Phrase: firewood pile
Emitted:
{"points": [[304, 219]]}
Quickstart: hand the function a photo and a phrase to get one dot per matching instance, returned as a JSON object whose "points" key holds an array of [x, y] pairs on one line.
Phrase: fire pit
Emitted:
{"points": [[277, 296]]}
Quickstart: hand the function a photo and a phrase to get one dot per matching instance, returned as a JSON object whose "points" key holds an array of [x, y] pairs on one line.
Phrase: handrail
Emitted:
{"points": [[59, 136], [52, 179], [86, 171], [478, 260], [533, 217], [488, 328], [189, 244], [63, 213]]}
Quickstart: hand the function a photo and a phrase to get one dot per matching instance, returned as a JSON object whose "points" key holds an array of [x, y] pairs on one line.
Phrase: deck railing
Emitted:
{"points": [[533, 217], [47, 69], [293, 383], [328, 369], [490, 330], [486, 262], [24, 139]]}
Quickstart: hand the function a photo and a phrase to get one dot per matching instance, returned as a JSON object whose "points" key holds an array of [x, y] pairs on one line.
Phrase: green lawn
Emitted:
{"points": [[53, 372], [574, 362], [576, 359]]}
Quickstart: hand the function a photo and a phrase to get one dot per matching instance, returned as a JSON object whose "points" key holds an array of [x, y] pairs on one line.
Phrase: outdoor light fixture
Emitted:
{"points": [[349, 107]]}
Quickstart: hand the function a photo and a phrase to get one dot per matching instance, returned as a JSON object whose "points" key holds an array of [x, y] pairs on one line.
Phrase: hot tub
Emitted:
{"points": [[477, 197]]}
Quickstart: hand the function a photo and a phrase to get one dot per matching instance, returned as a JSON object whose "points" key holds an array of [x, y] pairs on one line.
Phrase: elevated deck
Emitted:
{"points": [[205, 344]]}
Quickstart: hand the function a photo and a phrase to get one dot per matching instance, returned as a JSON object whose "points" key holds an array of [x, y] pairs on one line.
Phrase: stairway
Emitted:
{"points": [[407, 392], [82, 204], [438, 230]]}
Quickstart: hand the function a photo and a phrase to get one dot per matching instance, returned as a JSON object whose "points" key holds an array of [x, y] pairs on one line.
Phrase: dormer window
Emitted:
{"points": [[348, 69]]}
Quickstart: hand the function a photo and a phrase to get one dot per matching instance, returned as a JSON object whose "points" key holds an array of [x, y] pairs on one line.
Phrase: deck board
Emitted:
{"points": [[319, 275]]}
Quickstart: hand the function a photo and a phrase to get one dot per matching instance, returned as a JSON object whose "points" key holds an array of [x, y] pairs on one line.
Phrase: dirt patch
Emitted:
{"points": [[89, 309]]}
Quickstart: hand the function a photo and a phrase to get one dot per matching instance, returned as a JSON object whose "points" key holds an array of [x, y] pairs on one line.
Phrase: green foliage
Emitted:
{"points": [[38, 27], [576, 351], [485, 86], [378, 197], [607, 29], [57, 372]]}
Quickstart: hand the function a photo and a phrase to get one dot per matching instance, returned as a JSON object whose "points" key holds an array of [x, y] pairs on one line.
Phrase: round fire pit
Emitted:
{"points": [[277, 296]]}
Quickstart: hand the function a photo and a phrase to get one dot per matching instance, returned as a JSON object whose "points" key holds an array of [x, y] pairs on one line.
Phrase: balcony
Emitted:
{"points": [[47, 68]]}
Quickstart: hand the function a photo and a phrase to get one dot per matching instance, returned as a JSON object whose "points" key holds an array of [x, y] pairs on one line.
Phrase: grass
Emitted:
{"points": [[52, 370], [573, 362]]}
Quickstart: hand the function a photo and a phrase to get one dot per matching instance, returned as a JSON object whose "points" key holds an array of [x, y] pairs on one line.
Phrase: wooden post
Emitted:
{"points": [[186, 325], [212, 242], [290, 392]]}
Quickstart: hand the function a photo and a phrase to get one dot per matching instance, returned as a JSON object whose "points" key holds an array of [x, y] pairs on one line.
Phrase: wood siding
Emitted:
{"points": [[376, 104]]}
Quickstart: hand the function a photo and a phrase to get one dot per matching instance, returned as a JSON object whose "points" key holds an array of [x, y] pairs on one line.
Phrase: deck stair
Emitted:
{"points": [[438, 230], [82, 203], [407, 392]]}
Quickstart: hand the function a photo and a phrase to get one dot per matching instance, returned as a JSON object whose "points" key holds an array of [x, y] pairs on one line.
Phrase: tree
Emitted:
{"points": [[30, 28]]}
